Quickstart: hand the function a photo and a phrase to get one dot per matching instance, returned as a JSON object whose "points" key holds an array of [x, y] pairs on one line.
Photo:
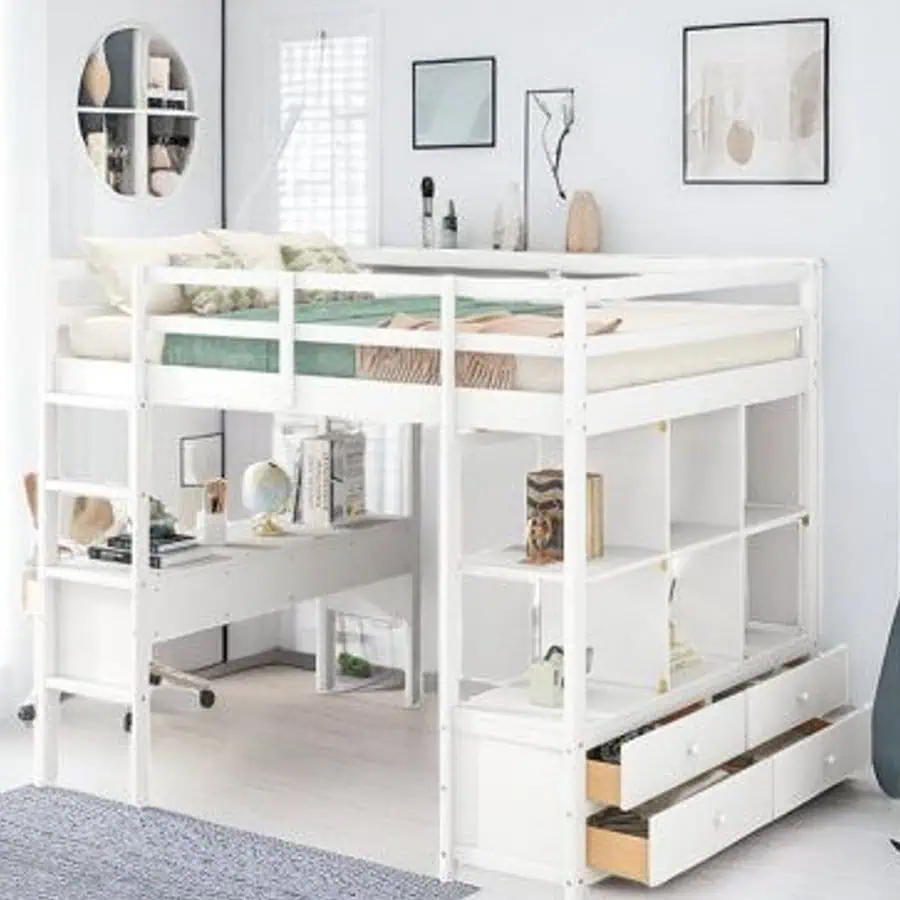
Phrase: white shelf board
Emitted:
{"points": [[157, 112], [759, 518], [509, 565], [108, 110], [688, 536], [613, 709]]}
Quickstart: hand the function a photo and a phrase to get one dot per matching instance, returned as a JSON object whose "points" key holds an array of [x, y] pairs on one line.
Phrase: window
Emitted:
{"points": [[324, 176]]}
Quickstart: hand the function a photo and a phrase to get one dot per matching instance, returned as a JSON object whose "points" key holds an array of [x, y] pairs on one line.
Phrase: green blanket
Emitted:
{"points": [[329, 360]]}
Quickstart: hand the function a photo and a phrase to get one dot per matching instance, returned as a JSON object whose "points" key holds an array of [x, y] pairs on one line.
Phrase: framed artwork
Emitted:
{"points": [[756, 103], [454, 103]]}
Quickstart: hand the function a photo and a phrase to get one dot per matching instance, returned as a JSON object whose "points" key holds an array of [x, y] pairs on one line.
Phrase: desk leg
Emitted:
{"points": [[46, 702], [140, 720], [413, 667], [325, 640]]}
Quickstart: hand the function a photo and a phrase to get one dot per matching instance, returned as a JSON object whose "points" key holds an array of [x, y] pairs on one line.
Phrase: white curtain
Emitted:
{"points": [[23, 250]]}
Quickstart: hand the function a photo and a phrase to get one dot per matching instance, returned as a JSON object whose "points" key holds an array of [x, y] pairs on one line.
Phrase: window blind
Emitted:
{"points": [[323, 175]]}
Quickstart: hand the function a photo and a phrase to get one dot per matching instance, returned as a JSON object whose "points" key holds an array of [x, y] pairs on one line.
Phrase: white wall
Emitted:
{"points": [[623, 57]]}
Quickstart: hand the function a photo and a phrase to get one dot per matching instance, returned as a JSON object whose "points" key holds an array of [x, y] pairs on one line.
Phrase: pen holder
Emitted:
{"points": [[212, 528]]}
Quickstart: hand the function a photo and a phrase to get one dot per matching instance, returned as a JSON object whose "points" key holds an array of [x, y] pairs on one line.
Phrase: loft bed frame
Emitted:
{"points": [[487, 721]]}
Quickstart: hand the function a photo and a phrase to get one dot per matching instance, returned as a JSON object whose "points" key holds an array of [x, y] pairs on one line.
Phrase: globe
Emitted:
{"points": [[266, 491]]}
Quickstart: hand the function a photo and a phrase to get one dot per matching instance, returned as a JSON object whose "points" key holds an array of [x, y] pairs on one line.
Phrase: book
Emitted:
{"points": [[174, 543], [157, 561], [332, 479], [544, 489]]}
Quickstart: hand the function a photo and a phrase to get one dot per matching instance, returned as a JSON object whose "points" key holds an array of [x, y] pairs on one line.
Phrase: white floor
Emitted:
{"points": [[356, 774]]}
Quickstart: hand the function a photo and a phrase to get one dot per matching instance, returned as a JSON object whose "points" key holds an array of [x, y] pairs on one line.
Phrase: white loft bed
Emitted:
{"points": [[685, 377]]}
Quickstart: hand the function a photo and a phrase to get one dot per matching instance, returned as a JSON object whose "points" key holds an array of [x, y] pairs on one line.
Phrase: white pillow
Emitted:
{"points": [[113, 259]]}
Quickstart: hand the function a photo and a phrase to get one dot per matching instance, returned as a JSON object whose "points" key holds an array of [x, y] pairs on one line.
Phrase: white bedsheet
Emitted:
{"points": [[108, 337]]}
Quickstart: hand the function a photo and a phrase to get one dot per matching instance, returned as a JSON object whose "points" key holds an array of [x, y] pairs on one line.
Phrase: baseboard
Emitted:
{"points": [[296, 659]]}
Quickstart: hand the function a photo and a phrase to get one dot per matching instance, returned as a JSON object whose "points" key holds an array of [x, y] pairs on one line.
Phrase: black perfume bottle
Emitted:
{"points": [[450, 229], [428, 213]]}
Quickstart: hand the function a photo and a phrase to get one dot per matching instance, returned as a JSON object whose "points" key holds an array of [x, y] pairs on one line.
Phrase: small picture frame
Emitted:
{"points": [[454, 103]]}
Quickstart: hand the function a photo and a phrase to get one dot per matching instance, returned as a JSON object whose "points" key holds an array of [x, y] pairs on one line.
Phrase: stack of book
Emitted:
{"points": [[330, 479], [166, 549]]}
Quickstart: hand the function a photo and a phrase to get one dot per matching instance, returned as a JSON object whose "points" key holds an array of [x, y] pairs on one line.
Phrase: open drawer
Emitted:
{"points": [[672, 834], [679, 831], [796, 695], [671, 753]]}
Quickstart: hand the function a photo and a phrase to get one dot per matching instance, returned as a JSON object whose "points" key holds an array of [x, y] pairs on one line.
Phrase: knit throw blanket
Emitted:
{"points": [[413, 365]]}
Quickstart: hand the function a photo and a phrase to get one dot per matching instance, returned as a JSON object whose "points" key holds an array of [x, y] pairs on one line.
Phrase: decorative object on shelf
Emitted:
{"points": [[97, 77], [681, 653], [549, 120], [545, 509], [159, 73], [450, 229], [164, 182], [755, 104], [454, 103], [92, 517], [427, 189], [509, 226], [266, 493], [159, 156], [212, 519], [98, 151], [583, 230], [546, 678]]}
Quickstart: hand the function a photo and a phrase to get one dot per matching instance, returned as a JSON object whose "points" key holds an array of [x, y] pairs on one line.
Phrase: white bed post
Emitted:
{"points": [[413, 666], [811, 452], [574, 588], [139, 475], [46, 734], [449, 606]]}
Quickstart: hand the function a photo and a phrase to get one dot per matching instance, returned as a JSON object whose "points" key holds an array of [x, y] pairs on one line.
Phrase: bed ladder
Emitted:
{"points": [[49, 682]]}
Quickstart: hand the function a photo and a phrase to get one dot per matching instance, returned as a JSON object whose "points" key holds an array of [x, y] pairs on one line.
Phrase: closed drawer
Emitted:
{"points": [[672, 754], [796, 695], [661, 841], [829, 751]]}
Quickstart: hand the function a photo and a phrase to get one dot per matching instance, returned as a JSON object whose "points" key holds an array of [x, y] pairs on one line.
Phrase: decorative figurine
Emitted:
{"points": [[538, 534], [212, 522]]}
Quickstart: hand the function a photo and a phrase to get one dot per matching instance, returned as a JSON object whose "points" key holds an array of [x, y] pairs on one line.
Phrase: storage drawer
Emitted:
{"points": [[829, 751], [796, 695], [672, 754], [654, 845]]}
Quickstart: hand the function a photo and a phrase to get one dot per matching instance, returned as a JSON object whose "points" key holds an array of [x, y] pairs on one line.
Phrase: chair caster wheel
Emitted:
{"points": [[207, 698], [127, 721], [27, 713], [155, 680]]}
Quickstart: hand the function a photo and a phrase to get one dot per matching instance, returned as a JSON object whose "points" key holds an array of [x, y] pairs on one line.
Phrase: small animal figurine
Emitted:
{"points": [[538, 533]]}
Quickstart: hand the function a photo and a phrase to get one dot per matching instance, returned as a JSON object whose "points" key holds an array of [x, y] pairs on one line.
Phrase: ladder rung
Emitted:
{"points": [[88, 401], [111, 693], [95, 575], [86, 489]]}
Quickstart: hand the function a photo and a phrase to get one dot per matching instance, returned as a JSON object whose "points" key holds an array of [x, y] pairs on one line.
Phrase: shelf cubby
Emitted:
{"points": [[773, 577], [706, 474], [773, 454]]}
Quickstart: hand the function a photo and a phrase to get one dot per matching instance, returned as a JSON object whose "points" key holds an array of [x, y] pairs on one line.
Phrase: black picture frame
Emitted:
{"points": [[420, 64], [824, 176]]}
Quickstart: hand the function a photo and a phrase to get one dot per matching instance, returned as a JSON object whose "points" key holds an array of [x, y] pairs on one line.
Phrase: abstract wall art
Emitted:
{"points": [[756, 103]]}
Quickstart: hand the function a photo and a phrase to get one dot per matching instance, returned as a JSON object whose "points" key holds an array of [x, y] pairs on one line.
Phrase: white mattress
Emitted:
{"points": [[108, 337]]}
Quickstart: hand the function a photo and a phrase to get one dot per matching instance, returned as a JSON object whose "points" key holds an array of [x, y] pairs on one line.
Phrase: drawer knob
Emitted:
{"points": [[719, 819], [804, 697], [694, 750], [830, 760]]}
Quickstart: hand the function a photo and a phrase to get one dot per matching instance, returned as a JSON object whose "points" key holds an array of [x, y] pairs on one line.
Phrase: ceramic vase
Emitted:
{"points": [[583, 230], [97, 78]]}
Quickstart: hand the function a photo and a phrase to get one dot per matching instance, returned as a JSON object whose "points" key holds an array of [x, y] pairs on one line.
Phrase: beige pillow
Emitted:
{"points": [[113, 259], [256, 250], [210, 300], [309, 255]]}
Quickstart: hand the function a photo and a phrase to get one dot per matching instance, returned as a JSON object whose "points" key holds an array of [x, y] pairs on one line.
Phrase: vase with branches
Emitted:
{"points": [[553, 150]]}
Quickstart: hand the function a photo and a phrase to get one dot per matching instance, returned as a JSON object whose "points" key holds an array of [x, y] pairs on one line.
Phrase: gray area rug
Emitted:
{"points": [[60, 845]]}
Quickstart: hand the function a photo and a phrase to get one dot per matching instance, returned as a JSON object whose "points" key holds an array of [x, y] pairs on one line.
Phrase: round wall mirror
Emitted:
{"points": [[136, 114]]}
